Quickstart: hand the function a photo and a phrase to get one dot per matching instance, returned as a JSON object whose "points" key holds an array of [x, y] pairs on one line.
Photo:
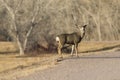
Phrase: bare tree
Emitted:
{"points": [[14, 30]]}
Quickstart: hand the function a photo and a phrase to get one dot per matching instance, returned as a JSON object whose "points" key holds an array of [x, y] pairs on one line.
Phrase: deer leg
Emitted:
{"points": [[76, 49], [59, 50], [72, 50]]}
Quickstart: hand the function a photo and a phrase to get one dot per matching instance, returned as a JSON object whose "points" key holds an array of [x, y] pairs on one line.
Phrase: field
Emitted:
{"points": [[13, 65]]}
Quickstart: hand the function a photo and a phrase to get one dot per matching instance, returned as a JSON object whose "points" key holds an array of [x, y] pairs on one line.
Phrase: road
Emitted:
{"points": [[105, 66]]}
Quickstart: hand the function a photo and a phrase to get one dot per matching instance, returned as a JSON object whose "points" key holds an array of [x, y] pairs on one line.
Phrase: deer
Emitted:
{"points": [[72, 39]]}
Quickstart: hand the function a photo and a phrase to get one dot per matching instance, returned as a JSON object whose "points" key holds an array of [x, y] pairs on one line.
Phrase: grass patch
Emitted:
{"points": [[97, 46], [13, 61], [8, 47]]}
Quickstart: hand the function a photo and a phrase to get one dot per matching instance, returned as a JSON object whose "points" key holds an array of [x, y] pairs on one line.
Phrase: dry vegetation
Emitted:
{"points": [[8, 47], [13, 66], [54, 17]]}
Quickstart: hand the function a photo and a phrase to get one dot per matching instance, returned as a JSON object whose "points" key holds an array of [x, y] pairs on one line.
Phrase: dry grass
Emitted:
{"points": [[12, 61], [97, 46], [8, 47], [13, 65], [24, 65]]}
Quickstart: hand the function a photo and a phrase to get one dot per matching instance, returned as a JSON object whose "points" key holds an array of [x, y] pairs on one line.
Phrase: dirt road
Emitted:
{"points": [[105, 66]]}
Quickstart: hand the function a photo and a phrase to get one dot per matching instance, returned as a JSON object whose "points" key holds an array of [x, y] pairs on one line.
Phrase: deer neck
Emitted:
{"points": [[81, 34]]}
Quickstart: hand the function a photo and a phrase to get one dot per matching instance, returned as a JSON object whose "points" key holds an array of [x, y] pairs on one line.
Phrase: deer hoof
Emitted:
{"points": [[77, 56], [71, 55], [59, 59]]}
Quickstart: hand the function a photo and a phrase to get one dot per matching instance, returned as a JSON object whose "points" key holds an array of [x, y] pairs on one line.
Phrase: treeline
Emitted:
{"points": [[35, 23]]}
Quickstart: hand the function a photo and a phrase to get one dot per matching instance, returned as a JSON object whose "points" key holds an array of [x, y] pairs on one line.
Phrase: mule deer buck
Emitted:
{"points": [[72, 39]]}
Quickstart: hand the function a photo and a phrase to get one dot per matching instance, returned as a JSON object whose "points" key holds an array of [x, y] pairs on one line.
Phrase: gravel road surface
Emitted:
{"points": [[105, 66]]}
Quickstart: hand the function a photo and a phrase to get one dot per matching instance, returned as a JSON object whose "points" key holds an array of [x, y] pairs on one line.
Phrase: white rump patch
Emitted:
{"points": [[57, 39]]}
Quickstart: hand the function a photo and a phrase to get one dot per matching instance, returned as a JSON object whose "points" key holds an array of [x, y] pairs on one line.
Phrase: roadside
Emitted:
{"points": [[104, 66], [13, 66]]}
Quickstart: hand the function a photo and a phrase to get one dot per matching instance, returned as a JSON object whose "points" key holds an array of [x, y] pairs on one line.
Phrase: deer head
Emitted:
{"points": [[82, 30]]}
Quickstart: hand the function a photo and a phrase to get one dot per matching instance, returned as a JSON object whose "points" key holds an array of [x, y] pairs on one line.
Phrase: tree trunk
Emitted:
{"points": [[26, 38], [99, 32], [99, 21], [21, 50]]}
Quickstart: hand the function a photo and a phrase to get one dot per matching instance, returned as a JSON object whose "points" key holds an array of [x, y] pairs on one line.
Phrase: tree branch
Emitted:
{"points": [[18, 5]]}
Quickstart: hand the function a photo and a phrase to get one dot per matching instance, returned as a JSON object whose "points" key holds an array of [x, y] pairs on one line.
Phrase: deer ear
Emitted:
{"points": [[84, 26]]}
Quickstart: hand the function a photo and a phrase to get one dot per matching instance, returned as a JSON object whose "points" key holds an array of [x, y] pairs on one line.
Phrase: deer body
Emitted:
{"points": [[68, 38], [72, 39]]}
